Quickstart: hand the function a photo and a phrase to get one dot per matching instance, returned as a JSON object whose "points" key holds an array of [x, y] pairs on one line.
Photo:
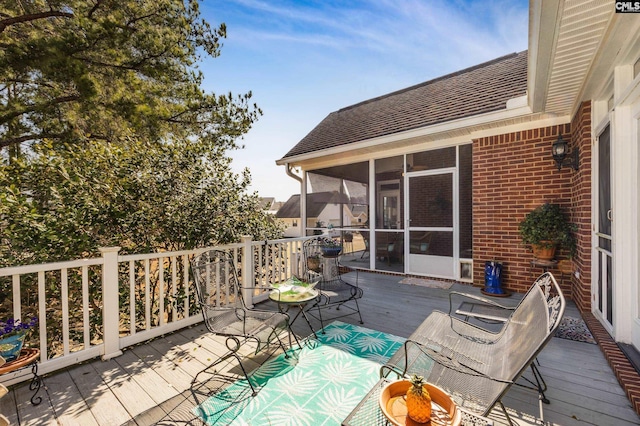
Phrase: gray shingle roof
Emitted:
{"points": [[476, 90], [316, 202]]}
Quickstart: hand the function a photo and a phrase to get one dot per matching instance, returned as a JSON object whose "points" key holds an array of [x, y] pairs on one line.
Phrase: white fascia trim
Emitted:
{"points": [[459, 124], [544, 22]]}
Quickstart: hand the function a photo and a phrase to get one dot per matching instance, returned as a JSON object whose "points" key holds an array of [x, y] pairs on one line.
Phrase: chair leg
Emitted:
{"points": [[504, 410], [541, 384], [358, 309], [320, 318], [229, 354], [246, 376]]}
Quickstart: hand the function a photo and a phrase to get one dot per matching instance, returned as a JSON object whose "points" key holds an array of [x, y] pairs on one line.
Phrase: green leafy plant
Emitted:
{"points": [[547, 226]]}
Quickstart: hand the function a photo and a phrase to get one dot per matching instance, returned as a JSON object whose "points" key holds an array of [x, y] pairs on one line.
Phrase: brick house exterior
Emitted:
{"points": [[511, 110]]}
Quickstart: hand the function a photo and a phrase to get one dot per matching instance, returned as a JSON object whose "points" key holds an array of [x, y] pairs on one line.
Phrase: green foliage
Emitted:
{"points": [[107, 139], [74, 71], [547, 225], [65, 201]]}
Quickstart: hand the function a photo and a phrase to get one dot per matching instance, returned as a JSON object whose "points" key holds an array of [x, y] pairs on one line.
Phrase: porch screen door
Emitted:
{"points": [[604, 255], [429, 239]]}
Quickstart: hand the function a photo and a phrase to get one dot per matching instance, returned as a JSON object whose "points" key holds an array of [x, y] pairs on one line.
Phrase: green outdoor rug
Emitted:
{"points": [[318, 385]]}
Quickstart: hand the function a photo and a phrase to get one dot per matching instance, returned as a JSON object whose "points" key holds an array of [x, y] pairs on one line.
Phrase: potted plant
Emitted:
{"points": [[319, 224], [12, 335], [313, 262], [547, 227], [330, 248]]}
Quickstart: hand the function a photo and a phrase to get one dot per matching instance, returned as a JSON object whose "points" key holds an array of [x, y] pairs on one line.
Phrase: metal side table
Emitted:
{"points": [[368, 413]]}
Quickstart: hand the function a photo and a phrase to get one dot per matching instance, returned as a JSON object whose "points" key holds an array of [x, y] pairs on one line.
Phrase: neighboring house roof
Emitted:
{"points": [[480, 89], [290, 209], [316, 202], [267, 202]]}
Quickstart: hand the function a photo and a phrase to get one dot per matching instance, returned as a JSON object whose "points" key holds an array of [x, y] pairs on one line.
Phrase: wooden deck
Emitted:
{"points": [[152, 382]]}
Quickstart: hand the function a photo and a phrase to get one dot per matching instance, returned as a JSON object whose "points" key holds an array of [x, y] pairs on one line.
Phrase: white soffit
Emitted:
{"points": [[580, 32]]}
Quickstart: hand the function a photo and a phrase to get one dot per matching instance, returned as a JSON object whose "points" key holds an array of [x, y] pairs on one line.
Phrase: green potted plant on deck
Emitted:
{"points": [[547, 227]]}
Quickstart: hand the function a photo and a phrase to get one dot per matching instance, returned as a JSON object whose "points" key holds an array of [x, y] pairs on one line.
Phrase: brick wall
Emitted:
{"points": [[512, 174], [581, 206]]}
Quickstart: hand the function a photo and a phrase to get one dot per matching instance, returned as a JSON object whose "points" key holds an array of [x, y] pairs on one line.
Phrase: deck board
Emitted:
{"points": [[69, 406], [151, 382]]}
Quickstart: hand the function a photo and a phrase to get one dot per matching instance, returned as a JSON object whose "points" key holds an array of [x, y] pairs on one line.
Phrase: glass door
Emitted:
{"points": [[604, 255], [430, 223]]}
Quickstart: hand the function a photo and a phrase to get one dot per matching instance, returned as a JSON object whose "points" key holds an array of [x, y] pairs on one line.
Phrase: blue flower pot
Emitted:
{"points": [[493, 278], [331, 251], [11, 346]]}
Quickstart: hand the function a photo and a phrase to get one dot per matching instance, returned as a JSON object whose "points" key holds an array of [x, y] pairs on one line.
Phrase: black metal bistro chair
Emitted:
{"points": [[335, 292], [225, 312]]}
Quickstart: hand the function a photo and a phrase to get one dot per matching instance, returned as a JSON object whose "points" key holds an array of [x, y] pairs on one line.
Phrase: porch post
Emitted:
{"points": [[110, 304], [248, 269]]}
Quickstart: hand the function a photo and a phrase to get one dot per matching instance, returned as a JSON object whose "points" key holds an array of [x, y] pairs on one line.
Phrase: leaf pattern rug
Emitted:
{"points": [[317, 385]]}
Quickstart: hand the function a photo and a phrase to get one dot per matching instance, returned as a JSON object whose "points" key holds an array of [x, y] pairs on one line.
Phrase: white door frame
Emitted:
{"points": [[624, 117], [453, 274]]}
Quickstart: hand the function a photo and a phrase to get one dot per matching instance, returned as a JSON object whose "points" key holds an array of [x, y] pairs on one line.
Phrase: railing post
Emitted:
{"points": [[110, 304], [248, 268]]}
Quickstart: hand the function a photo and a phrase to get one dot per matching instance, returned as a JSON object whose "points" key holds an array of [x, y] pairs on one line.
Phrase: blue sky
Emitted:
{"points": [[305, 59]]}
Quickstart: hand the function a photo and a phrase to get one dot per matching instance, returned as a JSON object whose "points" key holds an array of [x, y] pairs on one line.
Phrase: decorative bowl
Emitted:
{"points": [[393, 405]]}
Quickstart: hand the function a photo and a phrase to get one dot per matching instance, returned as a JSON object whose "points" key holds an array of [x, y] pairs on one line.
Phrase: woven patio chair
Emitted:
{"points": [[476, 366], [225, 313], [334, 291]]}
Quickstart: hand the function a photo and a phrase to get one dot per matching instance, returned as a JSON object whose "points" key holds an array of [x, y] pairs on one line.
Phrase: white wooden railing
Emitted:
{"points": [[95, 307]]}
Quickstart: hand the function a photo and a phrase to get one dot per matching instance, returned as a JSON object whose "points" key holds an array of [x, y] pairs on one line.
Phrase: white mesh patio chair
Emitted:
{"points": [[491, 315], [225, 313], [334, 291], [476, 366]]}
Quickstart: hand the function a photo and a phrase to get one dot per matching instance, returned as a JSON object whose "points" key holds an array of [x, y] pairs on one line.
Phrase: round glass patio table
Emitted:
{"points": [[295, 295]]}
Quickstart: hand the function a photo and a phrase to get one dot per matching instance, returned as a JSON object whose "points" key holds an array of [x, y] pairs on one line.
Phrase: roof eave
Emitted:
{"points": [[543, 14], [517, 108]]}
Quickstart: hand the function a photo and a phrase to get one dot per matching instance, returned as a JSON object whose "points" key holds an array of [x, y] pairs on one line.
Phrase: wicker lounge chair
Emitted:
{"points": [[476, 366]]}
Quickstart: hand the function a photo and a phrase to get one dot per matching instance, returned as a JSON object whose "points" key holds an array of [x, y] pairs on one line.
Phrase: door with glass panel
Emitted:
{"points": [[430, 223], [604, 256]]}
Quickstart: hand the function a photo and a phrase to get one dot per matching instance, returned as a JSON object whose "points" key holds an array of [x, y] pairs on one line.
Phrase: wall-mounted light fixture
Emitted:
{"points": [[560, 153]]}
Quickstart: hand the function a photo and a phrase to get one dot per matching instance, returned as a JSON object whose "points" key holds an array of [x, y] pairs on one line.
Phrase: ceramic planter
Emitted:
{"points": [[11, 346]]}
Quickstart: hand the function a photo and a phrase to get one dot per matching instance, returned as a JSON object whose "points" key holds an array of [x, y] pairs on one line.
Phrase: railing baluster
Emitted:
{"points": [[147, 296], [64, 302], [160, 320], [42, 315], [174, 279], [17, 306], [132, 297], [186, 269], [86, 325]]}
